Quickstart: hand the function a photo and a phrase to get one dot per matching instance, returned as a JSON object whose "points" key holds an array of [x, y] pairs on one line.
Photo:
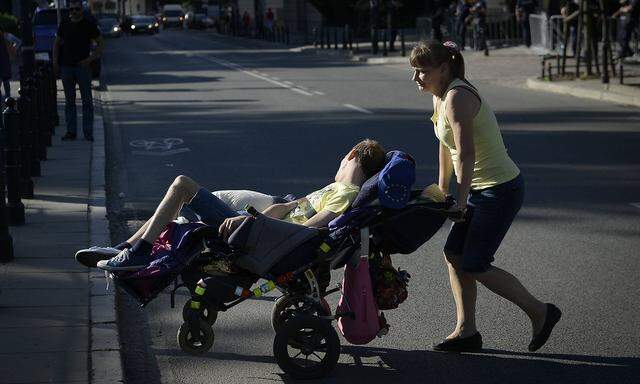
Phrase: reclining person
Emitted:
{"points": [[317, 209]]}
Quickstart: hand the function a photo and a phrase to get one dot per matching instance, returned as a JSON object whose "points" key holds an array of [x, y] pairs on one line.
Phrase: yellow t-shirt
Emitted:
{"points": [[335, 197], [493, 165]]}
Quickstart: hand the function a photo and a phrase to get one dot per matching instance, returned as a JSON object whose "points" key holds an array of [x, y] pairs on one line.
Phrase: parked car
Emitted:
{"points": [[143, 24], [45, 27], [109, 27], [200, 21]]}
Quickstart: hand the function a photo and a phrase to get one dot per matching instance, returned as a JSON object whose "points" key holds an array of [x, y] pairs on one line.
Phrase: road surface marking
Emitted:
{"points": [[637, 205], [288, 82], [356, 108], [255, 74], [275, 78], [319, 93]]}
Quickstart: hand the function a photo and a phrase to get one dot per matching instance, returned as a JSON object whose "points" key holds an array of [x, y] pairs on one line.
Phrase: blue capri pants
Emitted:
{"points": [[490, 212]]}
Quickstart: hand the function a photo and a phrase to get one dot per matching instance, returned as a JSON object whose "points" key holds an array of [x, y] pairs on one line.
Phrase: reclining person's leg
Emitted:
{"points": [[181, 191]]}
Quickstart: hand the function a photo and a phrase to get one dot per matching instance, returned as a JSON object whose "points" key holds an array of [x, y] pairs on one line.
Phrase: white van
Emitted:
{"points": [[172, 15]]}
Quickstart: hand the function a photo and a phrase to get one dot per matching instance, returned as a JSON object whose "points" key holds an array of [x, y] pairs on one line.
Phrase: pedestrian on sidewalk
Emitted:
{"points": [[524, 8], [72, 57], [629, 15], [7, 50], [463, 18], [490, 191], [479, 13]]}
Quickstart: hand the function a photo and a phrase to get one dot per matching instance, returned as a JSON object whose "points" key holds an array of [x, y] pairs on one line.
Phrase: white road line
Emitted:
{"points": [[240, 68], [301, 87], [356, 108], [288, 82], [319, 93], [637, 205], [275, 78]]}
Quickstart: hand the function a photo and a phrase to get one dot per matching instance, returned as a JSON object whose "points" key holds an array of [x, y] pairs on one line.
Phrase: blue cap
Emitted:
{"points": [[396, 179]]}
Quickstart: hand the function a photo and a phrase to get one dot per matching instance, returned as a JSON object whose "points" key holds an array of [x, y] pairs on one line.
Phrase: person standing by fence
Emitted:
{"points": [[7, 49], [629, 13], [462, 20], [524, 8], [72, 57]]}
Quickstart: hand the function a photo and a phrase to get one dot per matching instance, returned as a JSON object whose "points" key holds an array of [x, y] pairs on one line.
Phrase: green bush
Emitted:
{"points": [[9, 23]]}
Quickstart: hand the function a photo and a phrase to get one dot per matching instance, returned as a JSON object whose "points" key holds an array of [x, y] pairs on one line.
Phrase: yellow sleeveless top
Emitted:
{"points": [[493, 165]]}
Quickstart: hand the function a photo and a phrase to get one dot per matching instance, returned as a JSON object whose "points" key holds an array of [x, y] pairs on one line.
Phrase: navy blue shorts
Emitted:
{"points": [[489, 215]]}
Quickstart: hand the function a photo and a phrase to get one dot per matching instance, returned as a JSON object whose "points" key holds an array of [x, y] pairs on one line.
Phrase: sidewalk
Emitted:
{"points": [[512, 66], [57, 322]]}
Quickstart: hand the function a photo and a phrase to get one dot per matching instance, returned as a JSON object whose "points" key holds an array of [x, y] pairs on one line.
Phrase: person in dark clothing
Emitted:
{"points": [[523, 9], [5, 65], [570, 14], [72, 57], [439, 10], [629, 13], [479, 13], [462, 20]]}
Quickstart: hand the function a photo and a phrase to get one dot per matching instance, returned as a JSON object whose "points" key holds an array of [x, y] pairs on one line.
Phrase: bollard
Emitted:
{"points": [[621, 73], [6, 242], [374, 41], [287, 35], [11, 118], [322, 37], [41, 126], [345, 31], [26, 184], [402, 46], [45, 117], [350, 36], [549, 72], [54, 99], [384, 42], [32, 120], [47, 70], [335, 38], [315, 37]]}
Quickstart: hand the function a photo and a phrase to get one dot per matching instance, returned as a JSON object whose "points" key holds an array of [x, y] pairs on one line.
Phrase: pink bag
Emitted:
{"points": [[357, 297]]}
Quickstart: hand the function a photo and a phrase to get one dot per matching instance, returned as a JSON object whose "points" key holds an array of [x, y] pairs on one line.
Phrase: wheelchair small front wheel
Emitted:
{"points": [[306, 347], [285, 306], [198, 342], [206, 314]]}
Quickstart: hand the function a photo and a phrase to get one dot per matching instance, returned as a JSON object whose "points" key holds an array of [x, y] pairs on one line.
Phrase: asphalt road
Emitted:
{"points": [[239, 114]]}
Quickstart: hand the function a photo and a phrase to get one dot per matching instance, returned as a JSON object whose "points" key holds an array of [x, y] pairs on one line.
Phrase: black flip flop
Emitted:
{"points": [[550, 321]]}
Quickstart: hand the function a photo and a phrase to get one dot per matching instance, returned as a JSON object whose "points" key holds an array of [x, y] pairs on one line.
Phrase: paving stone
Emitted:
{"points": [[59, 316], [52, 367], [44, 298]]}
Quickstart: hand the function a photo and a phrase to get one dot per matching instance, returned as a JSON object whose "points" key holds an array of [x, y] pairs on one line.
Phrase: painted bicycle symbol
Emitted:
{"points": [[158, 146]]}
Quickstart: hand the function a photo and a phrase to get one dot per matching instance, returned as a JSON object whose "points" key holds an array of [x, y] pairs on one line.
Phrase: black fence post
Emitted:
{"points": [[335, 38], [6, 242], [32, 118], [384, 42], [287, 35], [42, 124], [344, 36], [26, 184], [11, 119], [322, 37], [402, 45], [350, 37]]}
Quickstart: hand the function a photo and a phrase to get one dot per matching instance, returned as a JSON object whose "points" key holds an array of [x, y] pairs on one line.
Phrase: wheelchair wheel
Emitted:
{"points": [[195, 344], [286, 306], [208, 315], [306, 347]]}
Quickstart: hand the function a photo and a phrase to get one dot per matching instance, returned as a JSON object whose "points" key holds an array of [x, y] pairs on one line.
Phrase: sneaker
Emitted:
{"points": [[124, 261], [91, 256], [68, 136]]}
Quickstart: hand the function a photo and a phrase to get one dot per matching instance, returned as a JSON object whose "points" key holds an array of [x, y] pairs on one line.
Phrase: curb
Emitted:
{"points": [[604, 94], [106, 364]]}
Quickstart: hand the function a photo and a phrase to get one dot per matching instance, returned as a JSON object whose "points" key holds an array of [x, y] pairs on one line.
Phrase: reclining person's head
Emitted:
{"points": [[364, 160]]}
